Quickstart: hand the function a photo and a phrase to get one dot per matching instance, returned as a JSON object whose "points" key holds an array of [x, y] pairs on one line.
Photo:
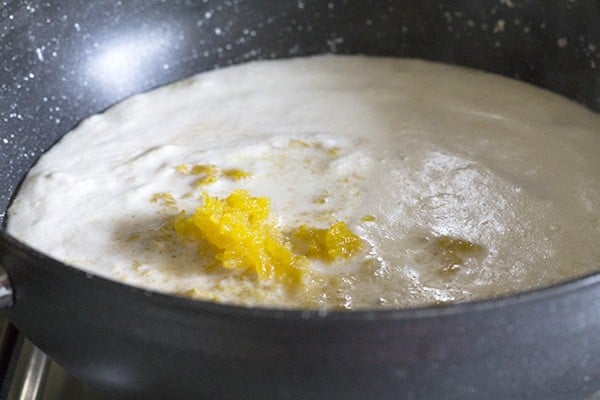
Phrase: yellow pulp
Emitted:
{"points": [[235, 174], [240, 227], [452, 251], [165, 198], [209, 173], [329, 244]]}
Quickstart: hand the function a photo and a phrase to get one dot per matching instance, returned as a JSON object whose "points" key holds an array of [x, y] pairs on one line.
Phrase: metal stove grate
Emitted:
{"points": [[28, 374]]}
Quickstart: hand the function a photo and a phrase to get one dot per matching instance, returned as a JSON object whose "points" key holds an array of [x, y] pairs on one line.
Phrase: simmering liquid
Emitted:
{"points": [[460, 184]]}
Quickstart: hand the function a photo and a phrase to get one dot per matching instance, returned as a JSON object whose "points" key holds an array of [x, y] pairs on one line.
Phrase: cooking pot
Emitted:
{"points": [[63, 61]]}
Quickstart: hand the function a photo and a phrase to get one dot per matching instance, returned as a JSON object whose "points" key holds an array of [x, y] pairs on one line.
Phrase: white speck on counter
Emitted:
{"points": [[333, 43], [561, 42], [499, 27], [40, 54]]}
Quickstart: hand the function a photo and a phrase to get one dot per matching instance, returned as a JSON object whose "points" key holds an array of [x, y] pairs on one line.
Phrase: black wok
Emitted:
{"points": [[542, 344]]}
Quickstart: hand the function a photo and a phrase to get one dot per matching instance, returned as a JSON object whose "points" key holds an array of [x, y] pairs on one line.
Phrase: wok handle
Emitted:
{"points": [[6, 290]]}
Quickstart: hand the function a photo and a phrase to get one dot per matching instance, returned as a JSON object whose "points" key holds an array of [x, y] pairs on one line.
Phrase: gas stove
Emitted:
{"points": [[29, 374]]}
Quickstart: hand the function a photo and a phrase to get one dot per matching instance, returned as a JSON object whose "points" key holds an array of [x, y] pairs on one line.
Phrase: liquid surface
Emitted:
{"points": [[462, 185]]}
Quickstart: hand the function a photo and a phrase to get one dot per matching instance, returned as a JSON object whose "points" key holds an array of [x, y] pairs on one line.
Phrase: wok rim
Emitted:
{"points": [[197, 306]]}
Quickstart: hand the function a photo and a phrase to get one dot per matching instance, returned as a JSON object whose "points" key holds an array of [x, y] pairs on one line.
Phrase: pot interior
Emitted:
{"points": [[63, 62]]}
